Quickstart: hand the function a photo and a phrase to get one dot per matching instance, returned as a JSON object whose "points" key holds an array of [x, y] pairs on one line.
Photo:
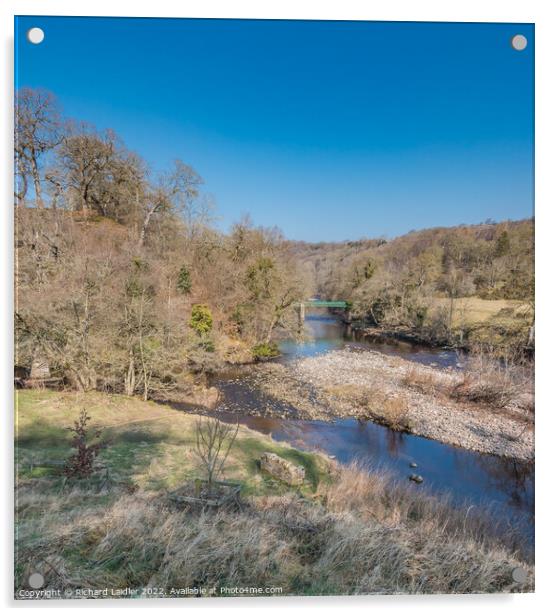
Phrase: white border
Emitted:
{"points": [[546, 239]]}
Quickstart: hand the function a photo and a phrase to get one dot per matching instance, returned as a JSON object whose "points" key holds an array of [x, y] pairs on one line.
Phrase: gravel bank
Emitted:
{"points": [[359, 384]]}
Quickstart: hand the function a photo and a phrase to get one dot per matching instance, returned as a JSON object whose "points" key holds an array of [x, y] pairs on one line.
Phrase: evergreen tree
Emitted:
{"points": [[184, 281]]}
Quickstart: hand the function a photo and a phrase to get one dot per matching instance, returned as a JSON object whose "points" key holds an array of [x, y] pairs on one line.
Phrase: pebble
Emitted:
{"points": [[304, 384]]}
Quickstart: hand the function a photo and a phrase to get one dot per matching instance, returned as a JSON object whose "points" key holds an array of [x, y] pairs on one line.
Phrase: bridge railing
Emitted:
{"points": [[321, 303]]}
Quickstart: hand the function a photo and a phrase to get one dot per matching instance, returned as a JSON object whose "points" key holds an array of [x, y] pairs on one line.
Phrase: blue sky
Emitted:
{"points": [[329, 130]]}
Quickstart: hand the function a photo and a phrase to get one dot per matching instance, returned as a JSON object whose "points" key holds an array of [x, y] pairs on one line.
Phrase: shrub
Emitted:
{"points": [[420, 380], [265, 350], [183, 283], [393, 412], [389, 410], [213, 442], [201, 356], [483, 391], [419, 316], [208, 346], [501, 338], [80, 464], [487, 380], [201, 320]]}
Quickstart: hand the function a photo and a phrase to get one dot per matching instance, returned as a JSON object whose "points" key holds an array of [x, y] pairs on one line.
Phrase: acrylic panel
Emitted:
{"points": [[274, 308]]}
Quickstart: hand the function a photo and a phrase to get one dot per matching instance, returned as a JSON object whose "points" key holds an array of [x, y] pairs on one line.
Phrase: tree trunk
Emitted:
{"points": [[531, 336], [146, 374], [129, 381], [36, 182], [145, 226], [272, 324], [21, 189]]}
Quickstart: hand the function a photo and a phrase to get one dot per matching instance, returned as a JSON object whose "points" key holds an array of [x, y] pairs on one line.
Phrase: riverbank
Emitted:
{"points": [[380, 334], [504, 326], [415, 398], [345, 531]]}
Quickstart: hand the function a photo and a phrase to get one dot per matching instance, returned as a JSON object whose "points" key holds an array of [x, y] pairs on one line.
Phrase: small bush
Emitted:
{"points": [[481, 391], [213, 442], [393, 412], [389, 410], [486, 380], [80, 465], [208, 345], [418, 379], [265, 350], [183, 284], [201, 320], [202, 358]]}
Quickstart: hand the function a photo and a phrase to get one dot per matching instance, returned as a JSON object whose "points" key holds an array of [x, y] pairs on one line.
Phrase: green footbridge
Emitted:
{"points": [[322, 303], [319, 303]]}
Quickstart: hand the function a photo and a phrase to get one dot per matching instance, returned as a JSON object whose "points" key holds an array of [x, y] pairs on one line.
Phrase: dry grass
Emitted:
{"points": [[361, 535], [344, 532], [388, 409], [392, 411], [488, 381], [420, 380], [484, 380], [474, 310]]}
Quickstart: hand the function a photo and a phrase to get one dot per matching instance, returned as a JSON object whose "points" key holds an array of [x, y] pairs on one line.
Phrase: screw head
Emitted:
{"points": [[36, 580], [519, 575], [519, 42], [35, 36]]}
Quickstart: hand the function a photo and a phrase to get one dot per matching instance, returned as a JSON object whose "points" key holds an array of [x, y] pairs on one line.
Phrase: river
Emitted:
{"points": [[502, 487]]}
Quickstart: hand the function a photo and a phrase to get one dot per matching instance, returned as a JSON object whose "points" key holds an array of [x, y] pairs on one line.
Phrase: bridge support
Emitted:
{"points": [[301, 316], [318, 303]]}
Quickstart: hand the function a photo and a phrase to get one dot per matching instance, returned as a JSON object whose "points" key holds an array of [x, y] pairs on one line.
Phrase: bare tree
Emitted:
{"points": [[38, 129], [99, 175], [146, 370], [103, 314], [175, 194], [213, 442]]}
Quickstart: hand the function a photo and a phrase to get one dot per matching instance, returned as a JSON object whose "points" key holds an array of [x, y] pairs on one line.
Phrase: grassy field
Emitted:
{"points": [[469, 311], [345, 531], [150, 445]]}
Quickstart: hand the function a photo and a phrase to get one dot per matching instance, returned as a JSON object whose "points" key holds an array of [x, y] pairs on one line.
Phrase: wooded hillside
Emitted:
{"points": [[414, 280], [124, 283]]}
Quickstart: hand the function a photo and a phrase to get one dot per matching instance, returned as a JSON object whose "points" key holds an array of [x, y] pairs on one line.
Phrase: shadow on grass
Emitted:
{"points": [[130, 451], [42, 435], [125, 453], [134, 437]]}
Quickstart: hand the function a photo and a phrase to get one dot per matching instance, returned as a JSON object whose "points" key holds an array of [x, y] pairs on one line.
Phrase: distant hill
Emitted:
{"points": [[418, 281], [494, 260]]}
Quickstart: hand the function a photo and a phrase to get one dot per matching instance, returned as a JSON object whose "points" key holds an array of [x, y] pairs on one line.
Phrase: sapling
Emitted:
{"points": [[213, 442], [80, 464]]}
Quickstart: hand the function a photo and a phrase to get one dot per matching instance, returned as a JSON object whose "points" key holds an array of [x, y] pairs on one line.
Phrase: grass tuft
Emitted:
{"points": [[346, 531]]}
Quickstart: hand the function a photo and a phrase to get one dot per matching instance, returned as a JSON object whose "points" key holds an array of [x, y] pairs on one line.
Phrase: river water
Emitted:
{"points": [[504, 488]]}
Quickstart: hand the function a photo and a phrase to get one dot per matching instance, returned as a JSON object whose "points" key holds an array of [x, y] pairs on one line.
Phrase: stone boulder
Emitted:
{"points": [[416, 478], [282, 469], [39, 368]]}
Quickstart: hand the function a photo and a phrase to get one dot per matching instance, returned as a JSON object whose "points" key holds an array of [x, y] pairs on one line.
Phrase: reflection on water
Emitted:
{"points": [[328, 333], [503, 486]]}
